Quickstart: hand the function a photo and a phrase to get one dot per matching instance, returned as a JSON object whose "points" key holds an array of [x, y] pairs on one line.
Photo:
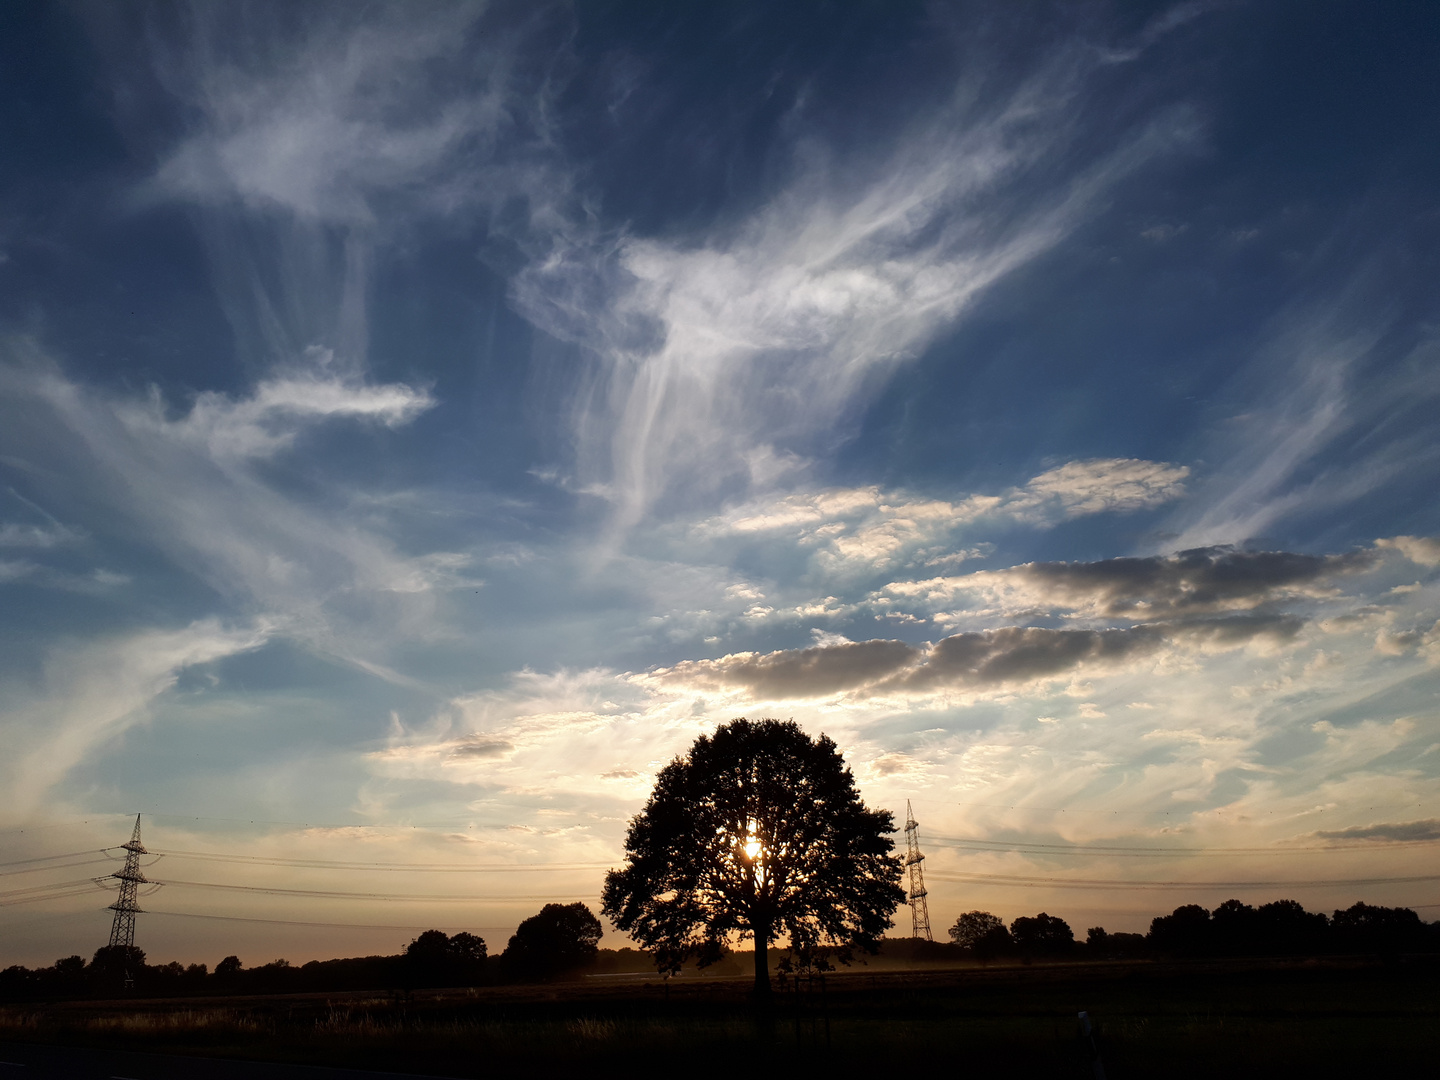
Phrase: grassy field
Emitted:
{"points": [[1214, 1019]]}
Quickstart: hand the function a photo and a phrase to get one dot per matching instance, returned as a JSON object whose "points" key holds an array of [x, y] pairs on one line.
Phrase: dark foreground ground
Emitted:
{"points": [[1218, 1019]]}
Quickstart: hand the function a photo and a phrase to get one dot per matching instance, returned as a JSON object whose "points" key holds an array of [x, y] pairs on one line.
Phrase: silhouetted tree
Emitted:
{"points": [[435, 959], [1235, 929], [983, 934], [1046, 934], [468, 948], [112, 964], [1370, 928], [1100, 943], [69, 974], [227, 972], [758, 831], [562, 936], [1286, 928], [1185, 931]]}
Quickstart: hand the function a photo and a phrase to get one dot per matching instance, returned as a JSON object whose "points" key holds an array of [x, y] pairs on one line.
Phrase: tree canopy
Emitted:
{"points": [[436, 959], [561, 936], [1043, 934], [982, 933], [758, 831]]}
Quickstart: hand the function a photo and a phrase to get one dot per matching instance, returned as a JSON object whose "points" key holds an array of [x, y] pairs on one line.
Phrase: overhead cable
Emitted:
{"points": [[1102, 883], [387, 897]]}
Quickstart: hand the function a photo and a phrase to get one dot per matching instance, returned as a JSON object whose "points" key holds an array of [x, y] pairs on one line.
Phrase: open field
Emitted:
{"points": [[1202, 1019]]}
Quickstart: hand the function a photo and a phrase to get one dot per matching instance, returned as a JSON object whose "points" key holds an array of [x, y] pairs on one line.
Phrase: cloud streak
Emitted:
{"points": [[869, 527], [753, 342], [192, 486], [89, 694], [1002, 659], [1201, 581]]}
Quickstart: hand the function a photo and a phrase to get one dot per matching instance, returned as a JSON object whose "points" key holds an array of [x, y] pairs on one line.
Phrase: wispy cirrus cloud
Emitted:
{"points": [[91, 693], [1335, 397], [309, 140], [870, 527], [752, 342], [193, 487], [329, 112]]}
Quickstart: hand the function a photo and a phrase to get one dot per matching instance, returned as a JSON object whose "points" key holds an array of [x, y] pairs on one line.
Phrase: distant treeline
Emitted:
{"points": [[559, 938], [563, 939], [1280, 928]]}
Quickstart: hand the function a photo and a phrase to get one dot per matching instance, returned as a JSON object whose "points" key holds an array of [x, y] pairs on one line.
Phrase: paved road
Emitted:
{"points": [[22, 1061]]}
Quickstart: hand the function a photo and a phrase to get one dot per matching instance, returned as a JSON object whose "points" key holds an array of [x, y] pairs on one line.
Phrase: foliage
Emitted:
{"points": [[982, 933], [1043, 934], [436, 959], [1185, 931], [561, 937], [1121, 945], [113, 965], [1367, 928], [1280, 928], [757, 832]]}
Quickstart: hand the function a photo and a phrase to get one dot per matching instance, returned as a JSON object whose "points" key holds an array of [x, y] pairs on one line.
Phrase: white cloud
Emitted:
{"points": [[1330, 390], [872, 528], [325, 112], [190, 487], [14, 535], [88, 694], [268, 421], [767, 333], [1092, 487], [1421, 550], [579, 735]]}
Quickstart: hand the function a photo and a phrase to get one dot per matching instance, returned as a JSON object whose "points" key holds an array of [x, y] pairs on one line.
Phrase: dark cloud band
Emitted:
{"points": [[1012, 655], [1199, 580]]}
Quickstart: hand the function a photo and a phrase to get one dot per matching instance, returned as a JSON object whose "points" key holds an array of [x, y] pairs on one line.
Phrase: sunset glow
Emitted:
{"points": [[420, 423]]}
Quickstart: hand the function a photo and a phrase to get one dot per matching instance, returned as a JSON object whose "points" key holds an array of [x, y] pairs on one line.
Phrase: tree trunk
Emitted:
{"points": [[762, 965]]}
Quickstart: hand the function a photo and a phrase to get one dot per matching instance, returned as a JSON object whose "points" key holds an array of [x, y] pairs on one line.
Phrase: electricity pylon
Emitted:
{"points": [[122, 930], [919, 909]]}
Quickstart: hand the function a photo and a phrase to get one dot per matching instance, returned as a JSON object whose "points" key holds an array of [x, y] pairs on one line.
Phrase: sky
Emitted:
{"points": [[420, 422]]}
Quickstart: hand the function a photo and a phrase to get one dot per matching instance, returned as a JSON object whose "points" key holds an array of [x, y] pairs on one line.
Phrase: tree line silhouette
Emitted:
{"points": [[564, 938], [559, 938], [1234, 929]]}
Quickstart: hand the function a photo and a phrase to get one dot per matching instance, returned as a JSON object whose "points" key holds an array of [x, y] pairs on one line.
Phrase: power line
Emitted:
{"points": [[1133, 850], [337, 825], [1110, 813], [46, 896], [266, 821], [1101, 883], [57, 824], [302, 922], [49, 886], [51, 858], [387, 897], [53, 866], [340, 864]]}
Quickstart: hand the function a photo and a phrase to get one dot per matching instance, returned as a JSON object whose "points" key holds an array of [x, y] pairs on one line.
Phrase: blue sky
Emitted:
{"points": [[419, 422]]}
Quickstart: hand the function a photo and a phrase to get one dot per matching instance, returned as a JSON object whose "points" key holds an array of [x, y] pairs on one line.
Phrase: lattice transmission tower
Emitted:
{"points": [[122, 930], [914, 862]]}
